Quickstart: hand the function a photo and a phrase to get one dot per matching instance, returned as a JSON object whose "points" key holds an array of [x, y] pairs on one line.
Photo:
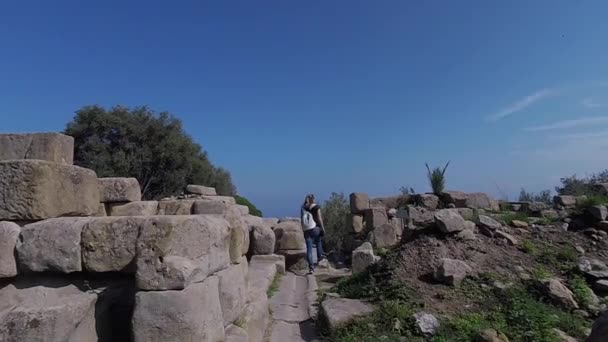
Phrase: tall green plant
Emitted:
{"points": [[437, 178]]}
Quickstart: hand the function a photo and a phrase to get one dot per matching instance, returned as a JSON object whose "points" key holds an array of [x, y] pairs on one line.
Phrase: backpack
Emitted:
{"points": [[308, 221]]}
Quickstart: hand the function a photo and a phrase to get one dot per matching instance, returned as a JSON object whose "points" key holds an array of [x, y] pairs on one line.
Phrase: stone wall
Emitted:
{"points": [[84, 259]]}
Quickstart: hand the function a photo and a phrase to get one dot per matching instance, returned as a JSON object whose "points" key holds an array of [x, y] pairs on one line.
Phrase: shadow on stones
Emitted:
{"points": [[308, 331], [428, 278]]}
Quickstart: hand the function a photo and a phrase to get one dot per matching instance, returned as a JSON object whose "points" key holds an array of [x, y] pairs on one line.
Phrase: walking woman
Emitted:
{"points": [[312, 225]]}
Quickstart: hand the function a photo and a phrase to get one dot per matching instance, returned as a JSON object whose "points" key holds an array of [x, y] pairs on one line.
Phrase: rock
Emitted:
{"points": [[602, 225], [101, 211], [563, 337], [427, 324], [206, 207], [109, 243], [175, 251], [200, 190], [375, 218], [559, 293], [356, 223], [534, 207], [338, 311], [451, 272], [488, 222], [598, 212], [602, 233], [420, 217], [192, 314], [466, 235], [449, 221], [428, 201], [580, 249], [277, 260], [451, 206], [385, 236], [289, 236], [519, 224], [176, 207], [468, 225], [593, 268], [362, 257], [458, 198], [390, 202], [482, 201], [142, 208], [599, 331], [233, 291], [255, 317], [602, 188], [466, 213], [486, 231], [47, 313], [601, 286], [37, 190], [9, 234], [359, 202], [243, 209], [565, 200], [262, 272], [51, 245], [502, 235], [271, 221], [119, 190], [234, 333], [550, 214], [53, 147], [491, 335], [262, 240]]}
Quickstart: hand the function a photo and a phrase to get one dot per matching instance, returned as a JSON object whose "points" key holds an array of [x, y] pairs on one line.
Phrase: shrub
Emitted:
{"points": [[335, 214], [509, 217], [592, 200], [582, 186], [582, 293], [437, 178], [543, 196], [253, 210]]}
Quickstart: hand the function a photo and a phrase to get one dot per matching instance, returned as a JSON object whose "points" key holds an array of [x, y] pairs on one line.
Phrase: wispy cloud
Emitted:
{"points": [[570, 124], [522, 104], [591, 103]]}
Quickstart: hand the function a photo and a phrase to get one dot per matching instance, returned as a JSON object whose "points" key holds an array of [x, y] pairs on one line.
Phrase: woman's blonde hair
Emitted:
{"points": [[308, 200]]}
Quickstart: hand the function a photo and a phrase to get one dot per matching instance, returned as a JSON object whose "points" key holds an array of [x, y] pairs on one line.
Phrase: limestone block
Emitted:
{"points": [[236, 334], [261, 275], [356, 223], [255, 317], [141, 208], [118, 189], [385, 236], [101, 211], [53, 147], [37, 190], [362, 257], [200, 190], [359, 202], [449, 221], [481, 200], [375, 217], [243, 209], [428, 201], [277, 260], [239, 232], [232, 292], [262, 240], [289, 236], [458, 198], [9, 234], [205, 207], [175, 207], [339, 311], [224, 199]]}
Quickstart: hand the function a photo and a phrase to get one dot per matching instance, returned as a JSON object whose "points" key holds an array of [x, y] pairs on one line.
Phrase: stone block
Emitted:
{"points": [[261, 275], [224, 199], [391, 202], [175, 207], [53, 147], [142, 208], [458, 198], [117, 189], [207, 207], [428, 201], [277, 260], [385, 236], [175, 251], [289, 236], [449, 221], [101, 211], [565, 200], [356, 223], [375, 218], [420, 217], [200, 190], [451, 272], [255, 317], [362, 257], [480, 200], [550, 214], [236, 334], [9, 234], [243, 209], [598, 212], [37, 190], [192, 314], [339, 311], [262, 240], [359, 202], [232, 292], [239, 232]]}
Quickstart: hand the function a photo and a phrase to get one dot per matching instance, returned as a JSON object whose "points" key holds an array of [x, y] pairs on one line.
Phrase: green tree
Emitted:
{"points": [[335, 212], [582, 186], [253, 210], [543, 196], [140, 143]]}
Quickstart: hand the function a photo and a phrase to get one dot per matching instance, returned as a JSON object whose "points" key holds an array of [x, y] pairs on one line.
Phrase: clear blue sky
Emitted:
{"points": [[321, 96]]}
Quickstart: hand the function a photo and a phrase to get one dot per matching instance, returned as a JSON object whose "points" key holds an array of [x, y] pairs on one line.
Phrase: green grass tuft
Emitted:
{"points": [[274, 287], [582, 293]]}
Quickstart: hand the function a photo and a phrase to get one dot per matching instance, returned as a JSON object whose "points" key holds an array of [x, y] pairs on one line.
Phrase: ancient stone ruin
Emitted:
{"points": [[83, 258]]}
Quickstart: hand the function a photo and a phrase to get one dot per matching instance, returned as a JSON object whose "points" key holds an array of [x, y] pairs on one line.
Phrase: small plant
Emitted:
{"points": [[541, 273], [543, 196], [592, 200], [527, 246], [582, 293], [274, 287], [437, 178], [509, 217]]}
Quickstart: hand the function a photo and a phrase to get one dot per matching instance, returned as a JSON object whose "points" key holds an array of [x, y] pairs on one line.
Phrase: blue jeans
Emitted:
{"points": [[313, 237]]}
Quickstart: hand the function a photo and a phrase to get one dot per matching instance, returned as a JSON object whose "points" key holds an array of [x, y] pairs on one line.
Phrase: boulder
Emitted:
{"points": [[458, 198], [503, 235], [37, 190], [559, 293], [9, 234], [359, 202], [481, 200], [491, 335], [239, 233], [467, 234], [466, 213], [362, 257], [175, 207], [428, 201], [109, 243], [593, 268], [386, 235], [262, 240], [117, 189], [192, 314], [599, 331], [451, 272], [233, 291], [51, 245], [375, 217], [598, 212], [338, 311], [53, 147], [519, 224], [356, 223], [449, 221], [427, 324], [141, 208], [420, 217], [255, 317], [489, 223], [565, 200], [550, 214], [200, 190], [289, 236], [271, 221], [234, 333], [175, 251]]}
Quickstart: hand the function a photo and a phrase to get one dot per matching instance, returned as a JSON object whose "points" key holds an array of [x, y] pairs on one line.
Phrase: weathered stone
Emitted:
{"points": [[243, 209], [599, 331], [289, 236], [491, 335], [428, 201], [601, 286], [519, 224], [534, 207], [261, 274], [262, 240], [420, 217], [232, 291], [277, 260], [192, 314], [486, 231], [200, 190], [481, 200], [466, 213], [550, 214], [390, 202], [53, 147], [175, 251], [224, 199], [255, 317], [109, 244], [449, 221], [488, 222], [559, 293], [37, 190], [41, 313], [235, 334], [101, 211], [427, 324], [9, 234], [375, 218], [239, 232], [565, 200], [205, 207], [359, 202], [142, 208], [117, 189], [385, 236], [356, 223], [598, 212], [502, 235], [451, 272], [271, 221], [339, 311], [467, 234], [563, 337], [458, 198], [362, 257], [176, 207], [52, 245]]}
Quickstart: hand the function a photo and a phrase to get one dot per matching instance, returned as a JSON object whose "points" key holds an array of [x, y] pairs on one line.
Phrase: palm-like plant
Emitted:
{"points": [[437, 178]]}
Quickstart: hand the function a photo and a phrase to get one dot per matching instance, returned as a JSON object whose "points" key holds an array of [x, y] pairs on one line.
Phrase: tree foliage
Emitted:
{"points": [[575, 186], [335, 212], [140, 143], [253, 210], [543, 196]]}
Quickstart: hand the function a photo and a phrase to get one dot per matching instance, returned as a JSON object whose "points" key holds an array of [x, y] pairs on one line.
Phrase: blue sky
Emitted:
{"points": [[321, 96]]}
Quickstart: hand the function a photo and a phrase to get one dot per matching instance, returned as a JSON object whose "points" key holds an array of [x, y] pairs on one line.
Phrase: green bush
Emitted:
{"points": [[582, 186], [582, 293], [509, 217], [543, 196], [335, 212], [592, 200], [253, 210], [437, 178]]}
